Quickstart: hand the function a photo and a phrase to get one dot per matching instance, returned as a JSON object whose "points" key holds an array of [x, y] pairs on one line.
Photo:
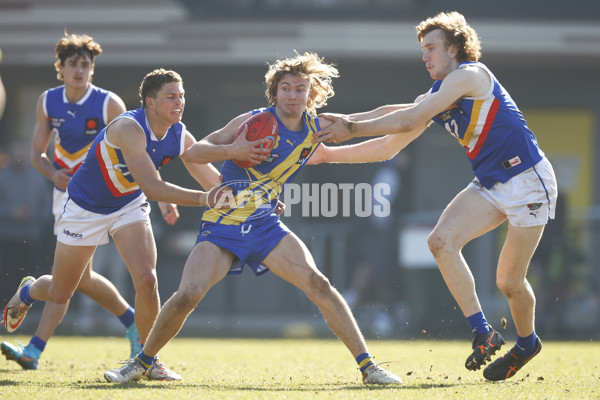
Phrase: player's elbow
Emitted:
{"points": [[153, 192], [409, 124]]}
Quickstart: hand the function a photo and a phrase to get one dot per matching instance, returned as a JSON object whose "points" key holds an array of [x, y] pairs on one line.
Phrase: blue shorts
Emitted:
{"points": [[251, 242]]}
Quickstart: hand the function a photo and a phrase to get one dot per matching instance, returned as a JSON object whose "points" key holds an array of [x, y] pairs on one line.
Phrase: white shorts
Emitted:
{"points": [[59, 198], [528, 199], [79, 227]]}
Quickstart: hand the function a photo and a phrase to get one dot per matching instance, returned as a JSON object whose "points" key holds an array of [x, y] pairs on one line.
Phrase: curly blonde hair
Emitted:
{"points": [[458, 32], [74, 44], [307, 66]]}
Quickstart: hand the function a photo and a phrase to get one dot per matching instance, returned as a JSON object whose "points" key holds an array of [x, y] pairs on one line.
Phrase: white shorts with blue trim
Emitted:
{"points": [[527, 199], [79, 227]]}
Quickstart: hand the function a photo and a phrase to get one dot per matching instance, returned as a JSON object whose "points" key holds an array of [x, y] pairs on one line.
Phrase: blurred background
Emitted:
{"points": [[548, 58]]}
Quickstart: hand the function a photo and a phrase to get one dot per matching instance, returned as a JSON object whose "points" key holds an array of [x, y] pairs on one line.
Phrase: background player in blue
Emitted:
{"points": [[109, 195], [74, 113], [254, 235], [514, 181]]}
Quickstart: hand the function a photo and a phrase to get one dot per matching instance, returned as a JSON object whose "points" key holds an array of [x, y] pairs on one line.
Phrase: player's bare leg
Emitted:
{"points": [[511, 275], [292, 261], [135, 243], [206, 265], [467, 217]]}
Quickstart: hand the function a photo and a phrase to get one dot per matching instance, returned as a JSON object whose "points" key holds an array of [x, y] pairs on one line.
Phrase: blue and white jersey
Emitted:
{"points": [[103, 183], [74, 125], [257, 189], [492, 129]]}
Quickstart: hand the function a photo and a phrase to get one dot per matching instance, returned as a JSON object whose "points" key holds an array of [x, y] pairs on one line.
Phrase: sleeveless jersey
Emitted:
{"points": [[74, 125], [257, 189], [493, 130], [103, 183]]}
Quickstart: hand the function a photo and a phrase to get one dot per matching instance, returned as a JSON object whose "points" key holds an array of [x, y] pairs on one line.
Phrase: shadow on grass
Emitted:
{"points": [[255, 388]]}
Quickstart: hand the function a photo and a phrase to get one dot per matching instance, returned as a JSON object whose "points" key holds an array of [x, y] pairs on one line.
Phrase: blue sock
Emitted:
{"points": [[25, 297], [364, 361], [128, 317], [526, 345], [478, 323], [37, 343], [145, 360]]}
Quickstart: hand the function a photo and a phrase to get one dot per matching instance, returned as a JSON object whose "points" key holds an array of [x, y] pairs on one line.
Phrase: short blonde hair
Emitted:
{"points": [[75, 44], [308, 66], [458, 32]]}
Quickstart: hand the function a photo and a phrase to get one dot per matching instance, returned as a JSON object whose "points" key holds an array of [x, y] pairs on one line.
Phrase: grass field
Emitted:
{"points": [[72, 368]]}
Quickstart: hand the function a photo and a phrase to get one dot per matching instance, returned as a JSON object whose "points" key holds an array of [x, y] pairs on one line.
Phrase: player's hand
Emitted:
{"points": [[251, 151], [279, 208], [169, 212], [339, 131], [61, 178]]}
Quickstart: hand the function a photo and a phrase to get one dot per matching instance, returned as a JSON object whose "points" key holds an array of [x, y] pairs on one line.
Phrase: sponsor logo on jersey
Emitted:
{"points": [[56, 122], [534, 206], [512, 162], [271, 157], [91, 126]]}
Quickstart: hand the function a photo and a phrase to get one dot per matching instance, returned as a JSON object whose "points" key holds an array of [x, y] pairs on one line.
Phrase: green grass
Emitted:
{"points": [[72, 368]]}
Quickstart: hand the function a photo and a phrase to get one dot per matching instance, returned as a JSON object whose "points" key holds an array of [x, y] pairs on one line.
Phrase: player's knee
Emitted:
{"points": [[146, 283], [319, 285], [436, 243], [508, 285], [185, 300]]}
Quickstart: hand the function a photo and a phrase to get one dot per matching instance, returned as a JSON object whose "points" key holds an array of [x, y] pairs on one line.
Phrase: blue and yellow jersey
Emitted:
{"points": [[493, 130], [257, 189], [74, 125], [103, 183]]}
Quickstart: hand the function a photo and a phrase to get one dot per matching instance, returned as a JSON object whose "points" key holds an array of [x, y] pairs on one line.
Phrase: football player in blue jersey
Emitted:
{"points": [[109, 193], [73, 113], [251, 233], [514, 180]]}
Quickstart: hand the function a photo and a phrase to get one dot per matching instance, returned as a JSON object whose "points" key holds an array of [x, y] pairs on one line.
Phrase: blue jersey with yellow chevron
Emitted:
{"points": [[493, 130], [74, 125], [257, 189], [103, 183]]}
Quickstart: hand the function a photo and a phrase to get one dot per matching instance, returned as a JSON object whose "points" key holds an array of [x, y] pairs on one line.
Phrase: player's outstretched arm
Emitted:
{"points": [[205, 174], [376, 113], [130, 138], [373, 150], [456, 85]]}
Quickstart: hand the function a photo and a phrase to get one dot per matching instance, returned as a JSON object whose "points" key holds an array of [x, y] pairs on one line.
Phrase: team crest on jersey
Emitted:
{"points": [[304, 155], [56, 122], [165, 160], [91, 126]]}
